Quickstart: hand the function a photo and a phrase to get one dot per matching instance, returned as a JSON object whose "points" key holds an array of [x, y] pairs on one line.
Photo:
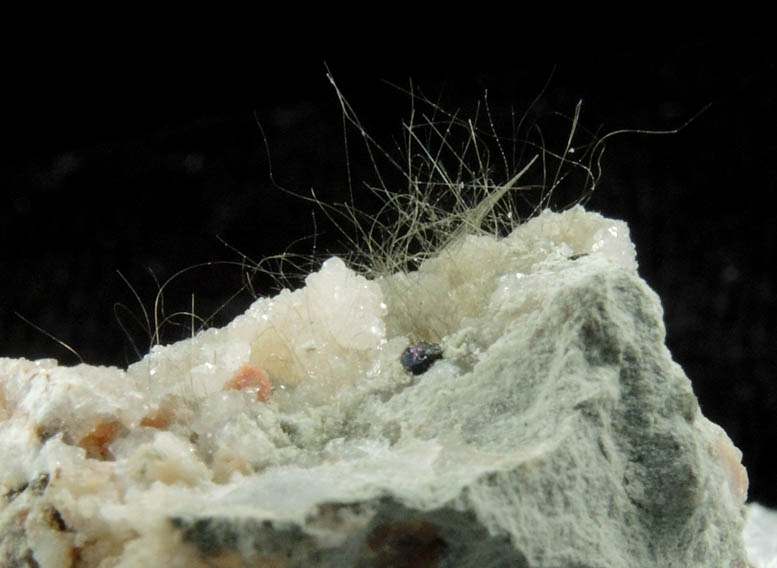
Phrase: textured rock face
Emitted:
{"points": [[555, 431]]}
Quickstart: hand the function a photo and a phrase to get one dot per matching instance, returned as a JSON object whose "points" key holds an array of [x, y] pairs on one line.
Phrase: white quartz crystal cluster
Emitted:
{"points": [[555, 431]]}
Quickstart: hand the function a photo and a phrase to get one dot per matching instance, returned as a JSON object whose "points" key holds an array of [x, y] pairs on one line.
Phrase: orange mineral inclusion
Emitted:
{"points": [[97, 441], [252, 378]]}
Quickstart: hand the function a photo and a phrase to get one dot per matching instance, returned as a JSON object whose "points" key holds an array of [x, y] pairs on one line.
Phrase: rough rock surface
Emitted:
{"points": [[555, 431]]}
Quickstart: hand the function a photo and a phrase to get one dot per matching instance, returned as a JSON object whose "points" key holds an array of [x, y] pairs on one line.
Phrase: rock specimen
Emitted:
{"points": [[552, 430]]}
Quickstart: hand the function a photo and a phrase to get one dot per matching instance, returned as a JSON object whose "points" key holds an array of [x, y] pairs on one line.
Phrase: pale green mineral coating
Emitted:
{"points": [[555, 432], [572, 442]]}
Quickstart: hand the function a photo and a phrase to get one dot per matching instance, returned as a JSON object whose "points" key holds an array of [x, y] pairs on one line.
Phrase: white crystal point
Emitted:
{"points": [[554, 431]]}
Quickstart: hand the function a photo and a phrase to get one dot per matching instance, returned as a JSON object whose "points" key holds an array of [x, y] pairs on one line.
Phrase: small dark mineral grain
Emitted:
{"points": [[419, 357]]}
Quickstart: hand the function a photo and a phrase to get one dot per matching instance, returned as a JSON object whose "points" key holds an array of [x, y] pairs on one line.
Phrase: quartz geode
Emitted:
{"points": [[554, 431]]}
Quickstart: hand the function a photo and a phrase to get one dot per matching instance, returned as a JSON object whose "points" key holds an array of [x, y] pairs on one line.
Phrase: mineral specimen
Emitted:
{"points": [[555, 432]]}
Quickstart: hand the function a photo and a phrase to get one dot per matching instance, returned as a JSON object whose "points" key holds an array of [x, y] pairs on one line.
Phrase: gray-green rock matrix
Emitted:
{"points": [[554, 432]]}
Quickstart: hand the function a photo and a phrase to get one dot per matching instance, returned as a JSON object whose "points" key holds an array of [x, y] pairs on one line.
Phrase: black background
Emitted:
{"points": [[109, 185]]}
